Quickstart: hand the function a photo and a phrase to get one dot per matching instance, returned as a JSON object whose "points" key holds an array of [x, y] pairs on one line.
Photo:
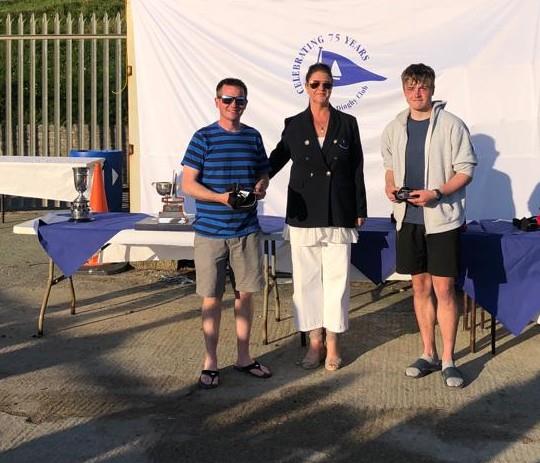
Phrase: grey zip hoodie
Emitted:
{"points": [[448, 151]]}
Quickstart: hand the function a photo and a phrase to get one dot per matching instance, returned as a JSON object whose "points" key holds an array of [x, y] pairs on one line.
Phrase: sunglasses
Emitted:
{"points": [[316, 84], [240, 100]]}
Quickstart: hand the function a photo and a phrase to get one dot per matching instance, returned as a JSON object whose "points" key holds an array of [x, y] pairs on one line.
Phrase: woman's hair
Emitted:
{"points": [[319, 67]]}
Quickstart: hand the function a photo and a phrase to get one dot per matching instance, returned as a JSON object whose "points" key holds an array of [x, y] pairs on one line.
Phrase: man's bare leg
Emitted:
{"points": [[211, 318], [424, 309], [447, 314], [243, 312]]}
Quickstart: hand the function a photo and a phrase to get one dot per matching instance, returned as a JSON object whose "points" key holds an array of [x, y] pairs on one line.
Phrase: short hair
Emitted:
{"points": [[319, 67], [419, 73], [233, 82]]}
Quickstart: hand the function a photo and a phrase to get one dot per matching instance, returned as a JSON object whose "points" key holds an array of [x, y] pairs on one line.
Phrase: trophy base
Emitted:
{"points": [[172, 217], [82, 219]]}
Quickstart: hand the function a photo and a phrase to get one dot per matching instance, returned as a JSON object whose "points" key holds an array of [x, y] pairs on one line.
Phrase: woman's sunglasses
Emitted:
{"points": [[316, 84], [240, 100]]}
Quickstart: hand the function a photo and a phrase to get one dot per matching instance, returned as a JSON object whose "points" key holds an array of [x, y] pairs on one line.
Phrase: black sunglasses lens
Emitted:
{"points": [[316, 84], [240, 100]]}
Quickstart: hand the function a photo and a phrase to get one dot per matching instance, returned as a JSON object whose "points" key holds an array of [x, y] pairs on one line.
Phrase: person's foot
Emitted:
{"points": [[452, 377], [333, 355], [313, 358], [423, 366], [209, 379], [333, 364], [254, 369]]}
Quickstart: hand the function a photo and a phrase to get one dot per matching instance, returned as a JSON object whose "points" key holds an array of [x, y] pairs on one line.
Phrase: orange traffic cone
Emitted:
{"points": [[98, 203], [98, 197]]}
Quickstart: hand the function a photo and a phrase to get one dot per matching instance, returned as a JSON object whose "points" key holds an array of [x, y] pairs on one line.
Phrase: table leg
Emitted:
{"points": [[473, 326], [266, 292], [493, 338], [73, 298], [274, 279], [51, 281], [2, 208], [465, 311]]}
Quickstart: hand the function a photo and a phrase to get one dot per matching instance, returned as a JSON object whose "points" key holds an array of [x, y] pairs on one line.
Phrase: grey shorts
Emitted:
{"points": [[243, 255]]}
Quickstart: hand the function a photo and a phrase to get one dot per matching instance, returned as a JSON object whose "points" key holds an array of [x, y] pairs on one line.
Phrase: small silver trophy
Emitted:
{"points": [[80, 211], [173, 205]]}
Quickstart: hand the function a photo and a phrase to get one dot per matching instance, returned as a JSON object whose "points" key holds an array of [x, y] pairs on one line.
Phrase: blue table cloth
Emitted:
{"points": [[500, 265], [501, 271], [71, 244]]}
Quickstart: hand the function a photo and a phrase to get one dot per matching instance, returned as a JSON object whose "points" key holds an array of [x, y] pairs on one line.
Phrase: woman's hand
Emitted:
{"points": [[260, 187]]}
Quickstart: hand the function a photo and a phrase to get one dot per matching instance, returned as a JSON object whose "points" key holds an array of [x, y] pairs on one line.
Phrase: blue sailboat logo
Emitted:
{"points": [[344, 71]]}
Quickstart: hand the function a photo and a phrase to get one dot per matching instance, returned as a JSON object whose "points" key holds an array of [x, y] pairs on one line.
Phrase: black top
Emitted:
{"points": [[326, 185]]}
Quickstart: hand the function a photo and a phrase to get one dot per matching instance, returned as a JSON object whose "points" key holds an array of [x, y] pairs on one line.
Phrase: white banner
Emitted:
{"points": [[486, 54]]}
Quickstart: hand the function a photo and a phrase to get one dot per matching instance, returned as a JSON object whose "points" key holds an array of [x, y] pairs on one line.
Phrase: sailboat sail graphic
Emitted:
{"points": [[336, 72], [345, 71]]}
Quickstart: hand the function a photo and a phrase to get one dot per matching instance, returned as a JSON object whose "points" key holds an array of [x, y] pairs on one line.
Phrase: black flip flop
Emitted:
{"points": [[424, 367], [452, 372], [249, 369], [213, 375]]}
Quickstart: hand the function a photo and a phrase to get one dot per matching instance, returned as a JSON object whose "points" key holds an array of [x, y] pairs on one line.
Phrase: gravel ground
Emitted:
{"points": [[116, 381]]}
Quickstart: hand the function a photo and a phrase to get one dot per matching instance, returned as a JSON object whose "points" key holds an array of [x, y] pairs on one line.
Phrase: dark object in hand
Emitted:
{"points": [[526, 223], [404, 193], [241, 199]]}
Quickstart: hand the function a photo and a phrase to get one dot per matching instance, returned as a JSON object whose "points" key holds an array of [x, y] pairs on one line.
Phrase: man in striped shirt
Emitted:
{"points": [[219, 157]]}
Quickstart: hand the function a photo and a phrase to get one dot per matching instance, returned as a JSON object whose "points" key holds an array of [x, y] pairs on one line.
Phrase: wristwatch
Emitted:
{"points": [[438, 194]]}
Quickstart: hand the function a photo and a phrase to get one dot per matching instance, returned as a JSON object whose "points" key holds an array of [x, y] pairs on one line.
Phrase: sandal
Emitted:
{"points": [[453, 373], [333, 364], [252, 368], [308, 363], [214, 379], [424, 368]]}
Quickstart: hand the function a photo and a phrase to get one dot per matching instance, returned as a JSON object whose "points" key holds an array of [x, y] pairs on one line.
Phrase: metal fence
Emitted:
{"points": [[63, 87]]}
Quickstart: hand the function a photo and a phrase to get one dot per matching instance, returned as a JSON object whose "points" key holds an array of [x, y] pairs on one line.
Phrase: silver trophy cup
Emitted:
{"points": [[173, 205], [80, 210]]}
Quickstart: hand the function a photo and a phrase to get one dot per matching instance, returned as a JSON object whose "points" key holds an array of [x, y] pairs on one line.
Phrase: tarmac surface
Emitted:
{"points": [[117, 381]]}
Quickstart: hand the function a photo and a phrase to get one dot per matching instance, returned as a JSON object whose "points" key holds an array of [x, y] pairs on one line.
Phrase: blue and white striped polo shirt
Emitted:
{"points": [[222, 159]]}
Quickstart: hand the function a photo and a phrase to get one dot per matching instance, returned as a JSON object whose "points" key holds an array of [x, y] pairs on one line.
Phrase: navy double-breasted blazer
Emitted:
{"points": [[326, 185]]}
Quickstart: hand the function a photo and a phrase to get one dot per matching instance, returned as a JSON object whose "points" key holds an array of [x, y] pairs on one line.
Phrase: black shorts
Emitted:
{"points": [[437, 253]]}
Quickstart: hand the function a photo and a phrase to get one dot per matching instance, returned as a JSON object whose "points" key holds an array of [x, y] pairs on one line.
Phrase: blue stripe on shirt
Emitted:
{"points": [[223, 158]]}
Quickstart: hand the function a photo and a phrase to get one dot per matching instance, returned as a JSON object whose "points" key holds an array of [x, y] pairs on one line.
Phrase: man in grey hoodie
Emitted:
{"points": [[429, 150]]}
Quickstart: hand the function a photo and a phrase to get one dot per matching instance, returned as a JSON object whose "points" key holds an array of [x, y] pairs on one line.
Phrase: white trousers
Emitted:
{"points": [[321, 286]]}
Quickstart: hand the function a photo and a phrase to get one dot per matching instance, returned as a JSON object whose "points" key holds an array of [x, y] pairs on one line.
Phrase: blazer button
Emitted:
{"points": [[328, 173], [311, 174], [307, 158], [335, 158]]}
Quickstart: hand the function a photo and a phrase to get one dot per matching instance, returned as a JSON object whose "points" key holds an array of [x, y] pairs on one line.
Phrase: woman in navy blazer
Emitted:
{"points": [[326, 201]]}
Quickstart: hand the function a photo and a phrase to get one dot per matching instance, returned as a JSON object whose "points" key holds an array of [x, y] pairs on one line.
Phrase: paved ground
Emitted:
{"points": [[116, 382]]}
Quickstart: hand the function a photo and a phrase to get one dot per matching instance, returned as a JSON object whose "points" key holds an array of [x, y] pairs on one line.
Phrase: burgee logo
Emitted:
{"points": [[343, 54]]}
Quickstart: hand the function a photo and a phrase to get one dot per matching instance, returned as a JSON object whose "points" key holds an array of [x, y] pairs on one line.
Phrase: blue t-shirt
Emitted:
{"points": [[415, 165], [222, 159]]}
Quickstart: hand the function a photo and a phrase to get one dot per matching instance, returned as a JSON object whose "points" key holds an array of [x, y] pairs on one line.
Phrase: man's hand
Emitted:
{"points": [[390, 191], [360, 221], [390, 185], [260, 187], [422, 198]]}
